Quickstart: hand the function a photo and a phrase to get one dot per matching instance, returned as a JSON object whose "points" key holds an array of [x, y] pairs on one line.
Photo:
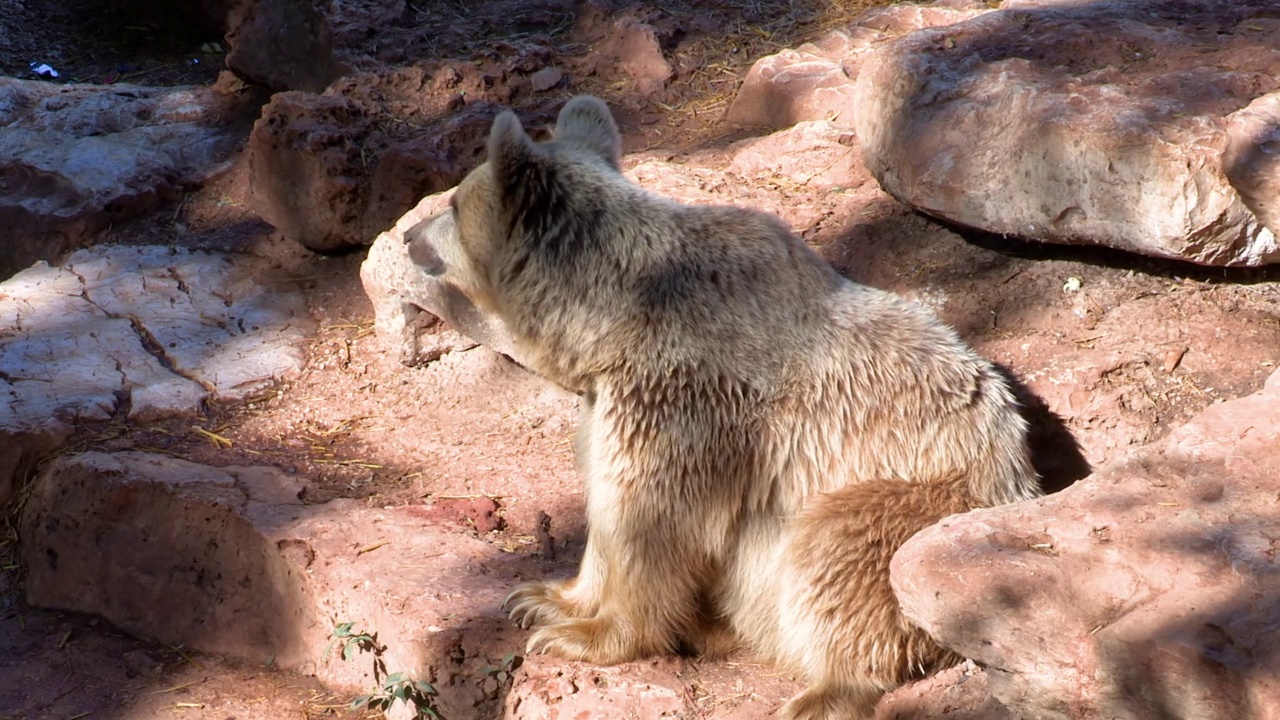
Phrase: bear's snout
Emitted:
{"points": [[424, 255]]}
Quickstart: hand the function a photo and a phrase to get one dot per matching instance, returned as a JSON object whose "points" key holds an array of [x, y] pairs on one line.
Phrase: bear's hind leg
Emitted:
{"points": [[839, 623]]}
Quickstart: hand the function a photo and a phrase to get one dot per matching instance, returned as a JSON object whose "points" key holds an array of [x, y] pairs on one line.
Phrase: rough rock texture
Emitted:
{"points": [[958, 693], [168, 549], [816, 81], [793, 86], [283, 44], [623, 42], [818, 154], [325, 171], [75, 158], [231, 561], [1147, 590], [1253, 158], [408, 304], [1103, 123], [136, 332]]}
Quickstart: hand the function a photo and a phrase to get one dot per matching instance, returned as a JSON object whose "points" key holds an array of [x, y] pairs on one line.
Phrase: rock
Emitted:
{"points": [[283, 44], [136, 332], [230, 561], [792, 86], [816, 81], [1107, 123], [325, 173], [545, 79], [958, 693], [633, 49], [545, 691], [408, 302], [184, 563], [1147, 590], [76, 158], [1252, 158], [818, 154]]}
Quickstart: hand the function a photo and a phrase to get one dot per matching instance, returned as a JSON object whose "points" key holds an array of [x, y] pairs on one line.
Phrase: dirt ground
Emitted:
{"points": [[1120, 348]]}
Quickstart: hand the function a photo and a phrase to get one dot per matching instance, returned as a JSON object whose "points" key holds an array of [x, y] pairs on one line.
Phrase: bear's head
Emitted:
{"points": [[518, 221]]}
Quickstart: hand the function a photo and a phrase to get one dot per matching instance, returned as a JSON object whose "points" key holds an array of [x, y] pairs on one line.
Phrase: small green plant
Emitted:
{"points": [[419, 695], [502, 672]]}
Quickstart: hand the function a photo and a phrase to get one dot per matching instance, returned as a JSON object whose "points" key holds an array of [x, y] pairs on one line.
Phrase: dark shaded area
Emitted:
{"points": [[1105, 257]]}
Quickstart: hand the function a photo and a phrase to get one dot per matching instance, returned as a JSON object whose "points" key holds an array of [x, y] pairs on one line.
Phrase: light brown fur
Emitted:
{"points": [[758, 434]]}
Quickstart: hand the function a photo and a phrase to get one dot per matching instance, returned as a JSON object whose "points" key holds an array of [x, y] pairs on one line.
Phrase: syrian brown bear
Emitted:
{"points": [[758, 434]]}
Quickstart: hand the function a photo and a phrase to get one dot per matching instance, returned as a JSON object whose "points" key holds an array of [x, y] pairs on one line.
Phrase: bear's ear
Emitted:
{"points": [[515, 159], [586, 121]]}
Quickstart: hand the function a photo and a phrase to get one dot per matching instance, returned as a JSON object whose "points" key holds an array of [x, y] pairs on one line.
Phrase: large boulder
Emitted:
{"points": [[1112, 123], [76, 158], [138, 333], [1149, 590]]}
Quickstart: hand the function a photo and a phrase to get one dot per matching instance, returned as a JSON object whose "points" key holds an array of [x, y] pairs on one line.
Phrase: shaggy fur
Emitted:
{"points": [[758, 435]]}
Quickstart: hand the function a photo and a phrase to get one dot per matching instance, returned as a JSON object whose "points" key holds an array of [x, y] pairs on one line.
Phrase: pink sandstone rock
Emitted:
{"points": [[1147, 590], [1105, 123], [816, 81]]}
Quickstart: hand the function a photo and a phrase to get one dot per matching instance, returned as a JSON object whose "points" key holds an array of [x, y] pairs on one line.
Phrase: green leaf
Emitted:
{"points": [[343, 629], [425, 687], [360, 701], [348, 651], [394, 679]]}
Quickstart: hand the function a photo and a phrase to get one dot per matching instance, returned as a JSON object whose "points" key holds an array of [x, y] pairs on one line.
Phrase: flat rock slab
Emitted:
{"points": [[1147, 590], [75, 158], [136, 332], [1111, 123], [233, 561]]}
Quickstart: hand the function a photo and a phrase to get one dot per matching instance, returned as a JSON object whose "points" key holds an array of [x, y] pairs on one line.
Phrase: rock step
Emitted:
{"points": [[230, 561]]}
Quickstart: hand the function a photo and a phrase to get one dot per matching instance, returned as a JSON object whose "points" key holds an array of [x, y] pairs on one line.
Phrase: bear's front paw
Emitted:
{"points": [[594, 641], [538, 603]]}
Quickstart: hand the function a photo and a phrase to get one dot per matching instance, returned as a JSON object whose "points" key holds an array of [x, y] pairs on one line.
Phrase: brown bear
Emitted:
{"points": [[758, 434]]}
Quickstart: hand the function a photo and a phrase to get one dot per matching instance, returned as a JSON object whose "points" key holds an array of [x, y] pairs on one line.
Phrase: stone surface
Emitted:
{"points": [[230, 560], [1147, 590], [76, 158], [1252, 158], [958, 693], [1098, 123], [283, 44], [136, 332], [324, 172], [818, 154], [632, 48], [792, 86]]}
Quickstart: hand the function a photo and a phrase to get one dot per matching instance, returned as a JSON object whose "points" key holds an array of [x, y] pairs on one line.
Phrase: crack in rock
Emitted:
{"points": [[156, 350]]}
